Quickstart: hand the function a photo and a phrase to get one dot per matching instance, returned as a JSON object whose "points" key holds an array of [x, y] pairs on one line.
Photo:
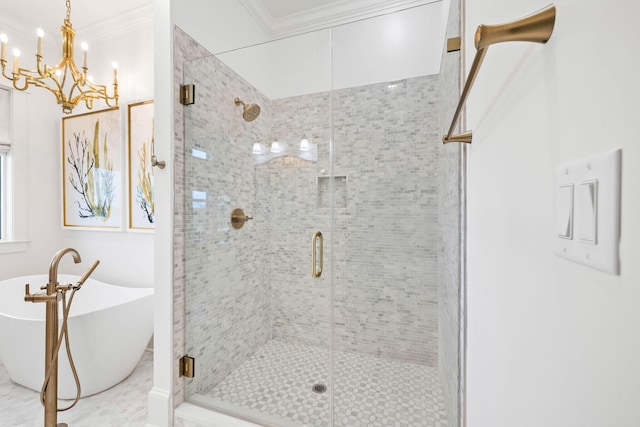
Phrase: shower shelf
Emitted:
{"points": [[339, 190]]}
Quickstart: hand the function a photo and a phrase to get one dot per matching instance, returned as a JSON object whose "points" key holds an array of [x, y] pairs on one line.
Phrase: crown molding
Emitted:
{"points": [[337, 13], [261, 14], [14, 27], [134, 19]]}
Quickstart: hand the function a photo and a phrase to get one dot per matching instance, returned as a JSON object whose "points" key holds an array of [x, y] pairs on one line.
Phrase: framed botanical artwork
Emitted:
{"points": [[141, 206], [92, 170]]}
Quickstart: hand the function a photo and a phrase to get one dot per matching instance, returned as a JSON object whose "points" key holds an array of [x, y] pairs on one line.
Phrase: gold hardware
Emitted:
{"points": [[54, 293], [187, 366], [187, 94], [459, 137], [316, 270], [39, 297], [155, 162], [250, 112], [54, 79], [238, 218], [536, 28], [453, 44]]}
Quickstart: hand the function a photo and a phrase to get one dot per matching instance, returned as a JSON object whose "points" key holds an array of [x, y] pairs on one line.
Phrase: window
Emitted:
{"points": [[5, 157]]}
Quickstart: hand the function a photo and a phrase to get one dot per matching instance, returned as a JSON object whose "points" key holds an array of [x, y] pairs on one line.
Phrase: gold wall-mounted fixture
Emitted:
{"points": [[187, 94], [453, 44], [70, 84], [536, 28], [187, 366], [250, 112], [238, 218], [316, 261]]}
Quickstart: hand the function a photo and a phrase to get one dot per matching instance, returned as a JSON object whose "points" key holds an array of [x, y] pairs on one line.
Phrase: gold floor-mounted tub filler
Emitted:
{"points": [[55, 292], [535, 28]]}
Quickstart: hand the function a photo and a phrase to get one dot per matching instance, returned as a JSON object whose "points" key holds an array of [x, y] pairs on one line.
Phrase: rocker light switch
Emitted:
{"points": [[564, 211], [593, 238], [587, 211]]}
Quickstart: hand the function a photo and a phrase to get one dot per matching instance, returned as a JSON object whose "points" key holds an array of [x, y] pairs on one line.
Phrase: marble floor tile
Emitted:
{"points": [[124, 404]]}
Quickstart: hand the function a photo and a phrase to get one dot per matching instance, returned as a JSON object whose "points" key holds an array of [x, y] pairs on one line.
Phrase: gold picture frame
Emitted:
{"points": [[92, 170], [140, 171]]}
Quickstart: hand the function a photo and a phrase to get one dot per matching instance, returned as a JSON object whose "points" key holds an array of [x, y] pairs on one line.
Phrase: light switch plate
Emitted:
{"points": [[601, 216]]}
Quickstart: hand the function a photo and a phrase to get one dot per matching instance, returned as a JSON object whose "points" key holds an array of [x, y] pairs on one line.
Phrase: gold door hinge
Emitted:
{"points": [[453, 44], [187, 94], [187, 366]]}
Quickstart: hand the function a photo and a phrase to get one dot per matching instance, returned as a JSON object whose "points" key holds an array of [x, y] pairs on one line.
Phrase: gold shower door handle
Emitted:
{"points": [[316, 270]]}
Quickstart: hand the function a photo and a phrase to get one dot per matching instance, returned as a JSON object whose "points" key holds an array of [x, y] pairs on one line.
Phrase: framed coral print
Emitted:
{"points": [[141, 207], [92, 170]]}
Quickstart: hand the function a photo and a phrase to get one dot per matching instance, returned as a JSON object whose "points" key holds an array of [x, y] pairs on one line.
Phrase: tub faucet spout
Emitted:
{"points": [[53, 269]]}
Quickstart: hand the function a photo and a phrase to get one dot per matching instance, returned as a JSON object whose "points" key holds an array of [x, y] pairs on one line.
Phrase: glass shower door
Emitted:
{"points": [[330, 299], [257, 311], [387, 337]]}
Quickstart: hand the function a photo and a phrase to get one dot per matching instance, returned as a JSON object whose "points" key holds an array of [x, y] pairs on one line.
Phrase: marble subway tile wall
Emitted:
{"points": [[254, 284], [184, 49], [384, 232], [450, 231], [385, 238], [227, 301], [300, 303]]}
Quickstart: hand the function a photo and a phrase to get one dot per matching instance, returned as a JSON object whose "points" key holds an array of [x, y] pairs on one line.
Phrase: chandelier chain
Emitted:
{"points": [[68, 19]]}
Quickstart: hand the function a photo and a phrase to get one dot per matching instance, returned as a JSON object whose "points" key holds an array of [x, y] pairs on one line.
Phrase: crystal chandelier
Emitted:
{"points": [[66, 81]]}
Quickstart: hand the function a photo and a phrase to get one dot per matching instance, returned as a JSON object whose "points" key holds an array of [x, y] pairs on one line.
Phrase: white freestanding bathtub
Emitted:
{"points": [[109, 329]]}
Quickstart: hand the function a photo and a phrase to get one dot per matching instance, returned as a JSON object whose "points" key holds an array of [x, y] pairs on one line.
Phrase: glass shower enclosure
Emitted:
{"points": [[312, 228]]}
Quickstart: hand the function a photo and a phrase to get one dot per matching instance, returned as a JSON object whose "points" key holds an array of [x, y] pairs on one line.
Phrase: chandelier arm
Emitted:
{"points": [[4, 74]]}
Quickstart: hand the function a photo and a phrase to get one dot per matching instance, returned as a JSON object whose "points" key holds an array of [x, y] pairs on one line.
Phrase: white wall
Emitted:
{"points": [[550, 342], [127, 258], [385, 48]]}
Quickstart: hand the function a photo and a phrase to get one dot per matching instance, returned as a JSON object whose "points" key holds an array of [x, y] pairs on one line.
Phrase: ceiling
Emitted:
{"points": [[281, 8], [282, 18], [277, 18], [49, 14]]}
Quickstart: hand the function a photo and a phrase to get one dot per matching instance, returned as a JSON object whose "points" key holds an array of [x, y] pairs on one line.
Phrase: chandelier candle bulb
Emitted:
{"points": [[16, 55], [85, 47], [115, 72], [4, 39], [40, 33]]}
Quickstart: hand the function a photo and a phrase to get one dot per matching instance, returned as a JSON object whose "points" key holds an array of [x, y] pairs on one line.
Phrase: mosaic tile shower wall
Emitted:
{"points": [[184, 48], [450, 232], [385, 239], [254, 284], [385, 289], [287, 187], [227, 311]]}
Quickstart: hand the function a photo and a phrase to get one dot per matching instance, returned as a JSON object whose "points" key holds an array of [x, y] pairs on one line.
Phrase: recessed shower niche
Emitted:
{"points": [[325, 193], [263, 329]]}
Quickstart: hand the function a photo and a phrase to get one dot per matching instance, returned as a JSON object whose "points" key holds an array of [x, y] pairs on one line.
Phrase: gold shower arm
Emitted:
{"points": [[536, 28]]}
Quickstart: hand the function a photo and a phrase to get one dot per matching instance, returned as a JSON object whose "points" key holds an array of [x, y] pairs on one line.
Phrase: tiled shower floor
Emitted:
{"points": [[372, 392]]}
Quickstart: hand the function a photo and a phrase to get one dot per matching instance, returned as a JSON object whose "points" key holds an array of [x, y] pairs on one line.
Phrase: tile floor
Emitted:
{"points": [[276, 381], [122, 405], [372, 392]]}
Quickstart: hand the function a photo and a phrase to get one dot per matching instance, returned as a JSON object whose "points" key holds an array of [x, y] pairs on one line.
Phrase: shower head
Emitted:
{"points": [[250, 111]]}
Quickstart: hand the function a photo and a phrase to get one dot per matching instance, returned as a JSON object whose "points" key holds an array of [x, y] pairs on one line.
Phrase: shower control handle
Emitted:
{"points": [[39, 297], [238, 218]]}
